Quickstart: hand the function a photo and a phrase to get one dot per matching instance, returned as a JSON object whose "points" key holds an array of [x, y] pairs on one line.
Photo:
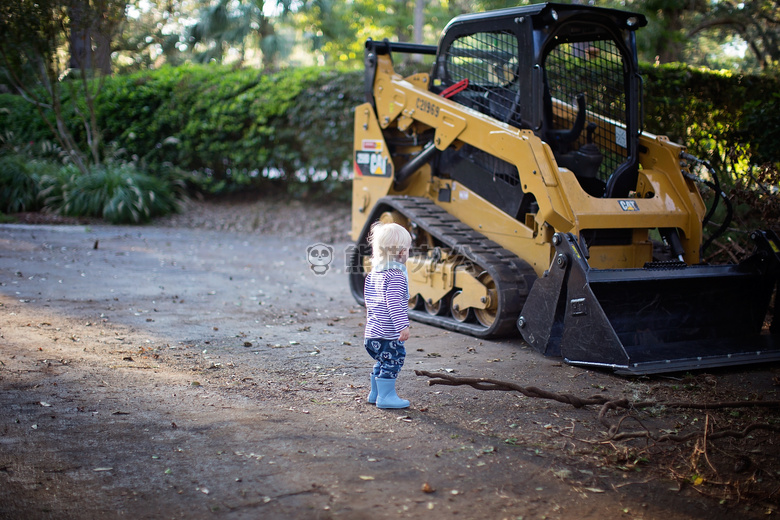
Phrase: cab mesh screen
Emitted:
{"points": [[488, 60], [594, 68]]}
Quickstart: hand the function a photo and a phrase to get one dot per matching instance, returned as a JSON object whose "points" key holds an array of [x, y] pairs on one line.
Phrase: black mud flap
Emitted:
{"points": [[660, 318]]}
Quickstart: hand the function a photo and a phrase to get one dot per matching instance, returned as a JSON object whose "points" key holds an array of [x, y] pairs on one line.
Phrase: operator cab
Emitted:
{"points": [[566, 72]]}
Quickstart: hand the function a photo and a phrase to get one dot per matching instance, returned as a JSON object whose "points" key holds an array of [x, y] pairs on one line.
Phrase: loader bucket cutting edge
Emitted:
{"points": [[651, 320]]}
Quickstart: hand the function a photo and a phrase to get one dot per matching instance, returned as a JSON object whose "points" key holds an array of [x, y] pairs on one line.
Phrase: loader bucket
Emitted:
{"points": [[665, 317]]}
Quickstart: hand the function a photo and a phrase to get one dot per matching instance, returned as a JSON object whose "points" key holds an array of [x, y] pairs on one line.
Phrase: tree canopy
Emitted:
{"points": [[270, 33], [712, 33]]}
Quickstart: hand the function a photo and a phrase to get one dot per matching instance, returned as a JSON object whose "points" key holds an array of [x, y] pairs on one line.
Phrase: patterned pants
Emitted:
{"points": [[389, 354]]}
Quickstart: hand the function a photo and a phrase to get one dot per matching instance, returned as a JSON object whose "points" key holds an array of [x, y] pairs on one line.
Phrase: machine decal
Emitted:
{"points": [[373, 145], [578, 307], [628, 205], [372, 163], [428, 107], [620, 137], [369, 158]]}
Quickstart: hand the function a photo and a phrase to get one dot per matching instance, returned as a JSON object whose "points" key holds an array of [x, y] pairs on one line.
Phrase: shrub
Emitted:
{"points": [[52, 180], [761, 128], [21, 121], [120, 194], [315, 135], [725, 118], [18, 185]]}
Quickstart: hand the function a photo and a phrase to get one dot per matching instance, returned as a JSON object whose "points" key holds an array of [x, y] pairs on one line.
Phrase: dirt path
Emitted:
{"points": [[175, 371]]}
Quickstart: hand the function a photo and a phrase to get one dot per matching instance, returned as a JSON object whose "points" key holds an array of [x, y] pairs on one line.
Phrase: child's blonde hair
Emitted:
{"points": [[388, 241]]}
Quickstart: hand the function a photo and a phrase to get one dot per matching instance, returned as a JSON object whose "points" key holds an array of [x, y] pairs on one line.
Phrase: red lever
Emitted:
{"points": [[460, 86]]}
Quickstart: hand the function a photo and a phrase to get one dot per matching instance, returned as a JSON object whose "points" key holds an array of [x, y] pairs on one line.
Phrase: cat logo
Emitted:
{"points": [[375, 164], [628, 205]]}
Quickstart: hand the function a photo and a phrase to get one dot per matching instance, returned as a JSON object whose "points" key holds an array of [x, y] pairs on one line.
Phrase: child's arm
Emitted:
{"points": [[404, 334], [397, 304]]}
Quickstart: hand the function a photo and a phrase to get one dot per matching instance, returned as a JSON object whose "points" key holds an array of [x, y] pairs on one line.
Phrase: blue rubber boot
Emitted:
{"points": [[372, 395], [386, 396]]}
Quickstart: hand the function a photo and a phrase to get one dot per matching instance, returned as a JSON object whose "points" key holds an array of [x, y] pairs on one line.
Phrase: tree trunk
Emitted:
{"points": [[79, 38], [267, 35], [91, 29], [670, 48], [419, 20], [102, 56], [419, 23]]}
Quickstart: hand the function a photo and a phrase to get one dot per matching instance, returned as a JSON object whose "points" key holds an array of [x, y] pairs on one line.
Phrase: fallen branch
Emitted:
{"points": [[613, 430], [483, 383]]}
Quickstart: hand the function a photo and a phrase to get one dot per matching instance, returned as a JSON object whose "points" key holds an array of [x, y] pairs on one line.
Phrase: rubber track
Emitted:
{"points": [[512, 276]]}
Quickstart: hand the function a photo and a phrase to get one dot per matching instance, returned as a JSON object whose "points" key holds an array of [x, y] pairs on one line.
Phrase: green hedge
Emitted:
{"points": [[239, 126], [726, 118], [227, 126], [232, 125]]}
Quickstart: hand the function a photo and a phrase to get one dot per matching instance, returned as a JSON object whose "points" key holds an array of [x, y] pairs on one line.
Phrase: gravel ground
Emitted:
{"points": [[329, 221], [196, 368], [279, 216]]}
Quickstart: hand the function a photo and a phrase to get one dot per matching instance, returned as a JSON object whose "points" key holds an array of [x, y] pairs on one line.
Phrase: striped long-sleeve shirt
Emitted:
{"points": [[387, 312]]}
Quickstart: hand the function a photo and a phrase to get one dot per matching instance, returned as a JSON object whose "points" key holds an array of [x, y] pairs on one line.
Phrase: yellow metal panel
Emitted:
{"points": [[432, 280], [451, 127], [479, 214], [420, 80], [367, 188], [473, 292], [620, 257], [661, 167]]}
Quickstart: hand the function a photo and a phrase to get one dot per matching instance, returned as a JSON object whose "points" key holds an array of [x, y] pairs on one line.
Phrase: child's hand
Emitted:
{"points": [[404, 335]]}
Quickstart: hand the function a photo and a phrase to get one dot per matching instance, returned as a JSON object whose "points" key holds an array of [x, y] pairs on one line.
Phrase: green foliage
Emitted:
{"points": [[22, 124], [738, 35], [733, 122], [760, 127], [48, 51], [18, 185], [234, 129], [730, 120], [53, 179], [119, 194], [31, 32], [316, 131]]}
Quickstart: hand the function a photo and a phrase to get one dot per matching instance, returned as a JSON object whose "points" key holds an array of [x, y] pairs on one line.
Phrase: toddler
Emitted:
{"points": [[386, 294]]}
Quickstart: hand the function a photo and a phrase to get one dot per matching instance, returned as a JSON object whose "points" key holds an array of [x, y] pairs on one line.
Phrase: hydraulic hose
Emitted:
{"points": [[415, 164], [715, 186]]}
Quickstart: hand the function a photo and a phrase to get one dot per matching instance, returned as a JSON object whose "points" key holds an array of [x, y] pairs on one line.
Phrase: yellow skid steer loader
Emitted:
{"points": [[537, 203]]}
